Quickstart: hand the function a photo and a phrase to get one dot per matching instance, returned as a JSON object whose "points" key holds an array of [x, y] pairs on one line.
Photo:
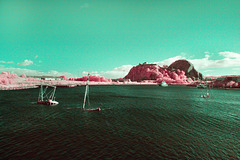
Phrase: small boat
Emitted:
{"points": [[163, 84], [207, 94], [47, 98], [86, 95], [201, 86]]}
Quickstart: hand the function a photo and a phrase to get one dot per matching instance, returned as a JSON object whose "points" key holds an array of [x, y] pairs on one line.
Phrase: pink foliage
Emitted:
{"points": [[23, 76], [4, 81], [230, 84], [92, 78], [236, 85], [8, 78], [226, 83], [64, 77], [11, 81], [165, 66], [4, 73], [13, 76]]}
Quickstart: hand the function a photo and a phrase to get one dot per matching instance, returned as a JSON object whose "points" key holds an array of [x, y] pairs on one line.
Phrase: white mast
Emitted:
{"points": [[86, 90], [41, 93]]}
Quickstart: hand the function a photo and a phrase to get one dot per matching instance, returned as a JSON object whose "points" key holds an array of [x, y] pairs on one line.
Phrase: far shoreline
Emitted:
{"points": [[83, 83]]}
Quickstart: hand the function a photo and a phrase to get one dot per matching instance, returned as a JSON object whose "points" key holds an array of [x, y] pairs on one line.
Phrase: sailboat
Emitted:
{"points": [[163, 84], [47, 98], [206, 95], [86, 95]]}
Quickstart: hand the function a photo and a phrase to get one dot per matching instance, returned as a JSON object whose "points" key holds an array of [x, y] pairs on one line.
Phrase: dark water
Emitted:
{"points": [[141, 122]]}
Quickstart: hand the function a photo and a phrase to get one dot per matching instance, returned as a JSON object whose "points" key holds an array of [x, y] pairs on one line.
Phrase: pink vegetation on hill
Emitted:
{"points": [[8, 78], [64, 77], [146, 71], [92, 78], [226, 83], [229, 81], [23, 76]]}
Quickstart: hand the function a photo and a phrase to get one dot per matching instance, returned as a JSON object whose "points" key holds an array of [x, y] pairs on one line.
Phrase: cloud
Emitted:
{"points": [[92, 73], [56, 73], [206, 71], [205, 64], [6, 62], [230, 59], [26, 63], [29, 72], [169, 60], [117, 72], [230, 55], [236, 69]]}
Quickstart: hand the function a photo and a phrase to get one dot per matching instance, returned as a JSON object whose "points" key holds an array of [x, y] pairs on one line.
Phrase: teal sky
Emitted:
{"points": [[98, 36]]}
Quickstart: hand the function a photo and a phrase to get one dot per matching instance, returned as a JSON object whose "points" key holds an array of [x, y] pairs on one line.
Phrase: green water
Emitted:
{"points": [[139, 122]]}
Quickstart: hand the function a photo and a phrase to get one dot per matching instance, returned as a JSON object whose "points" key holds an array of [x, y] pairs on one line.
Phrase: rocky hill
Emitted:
{"points": [[187, 67], [154, 72], [178, 72]]}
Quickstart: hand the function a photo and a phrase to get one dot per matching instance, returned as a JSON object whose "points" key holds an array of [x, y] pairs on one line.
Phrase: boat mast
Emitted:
{"points": [[41, 93], [86, 90]]}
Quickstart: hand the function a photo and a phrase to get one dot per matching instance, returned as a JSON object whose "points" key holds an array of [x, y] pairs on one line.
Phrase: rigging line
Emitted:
{"points": [[45, 90], [46, 94]]}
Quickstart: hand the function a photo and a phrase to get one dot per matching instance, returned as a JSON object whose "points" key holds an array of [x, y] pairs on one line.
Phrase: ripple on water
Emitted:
{"points": [[141, 122]]}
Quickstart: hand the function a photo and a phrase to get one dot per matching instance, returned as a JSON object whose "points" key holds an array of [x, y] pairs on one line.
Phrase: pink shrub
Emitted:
{"points": [[4, 73], [64, 77], [230, 84], [93, 78], [11, 81], [165, 66], [23, 76], [4, 81], [236, 85]]}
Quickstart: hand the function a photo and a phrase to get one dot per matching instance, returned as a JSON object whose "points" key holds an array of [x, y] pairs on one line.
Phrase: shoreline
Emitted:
{"points": [[70, 84]]}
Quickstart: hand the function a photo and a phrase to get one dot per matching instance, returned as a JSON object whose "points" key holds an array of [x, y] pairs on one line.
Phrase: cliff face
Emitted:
{"points": [[187, 67]]}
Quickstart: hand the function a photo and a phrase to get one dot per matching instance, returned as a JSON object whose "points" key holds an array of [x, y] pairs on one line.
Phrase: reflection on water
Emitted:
{"points": [[140, 122]]}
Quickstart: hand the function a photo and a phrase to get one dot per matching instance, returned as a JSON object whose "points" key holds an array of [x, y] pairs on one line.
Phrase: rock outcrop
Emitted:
{"points": [[143, 71], [154, 72], [187, 67], [180, 71]]}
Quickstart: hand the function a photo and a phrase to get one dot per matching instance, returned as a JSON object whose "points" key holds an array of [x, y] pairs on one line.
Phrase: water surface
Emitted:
{"points": [[140, 122]]}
